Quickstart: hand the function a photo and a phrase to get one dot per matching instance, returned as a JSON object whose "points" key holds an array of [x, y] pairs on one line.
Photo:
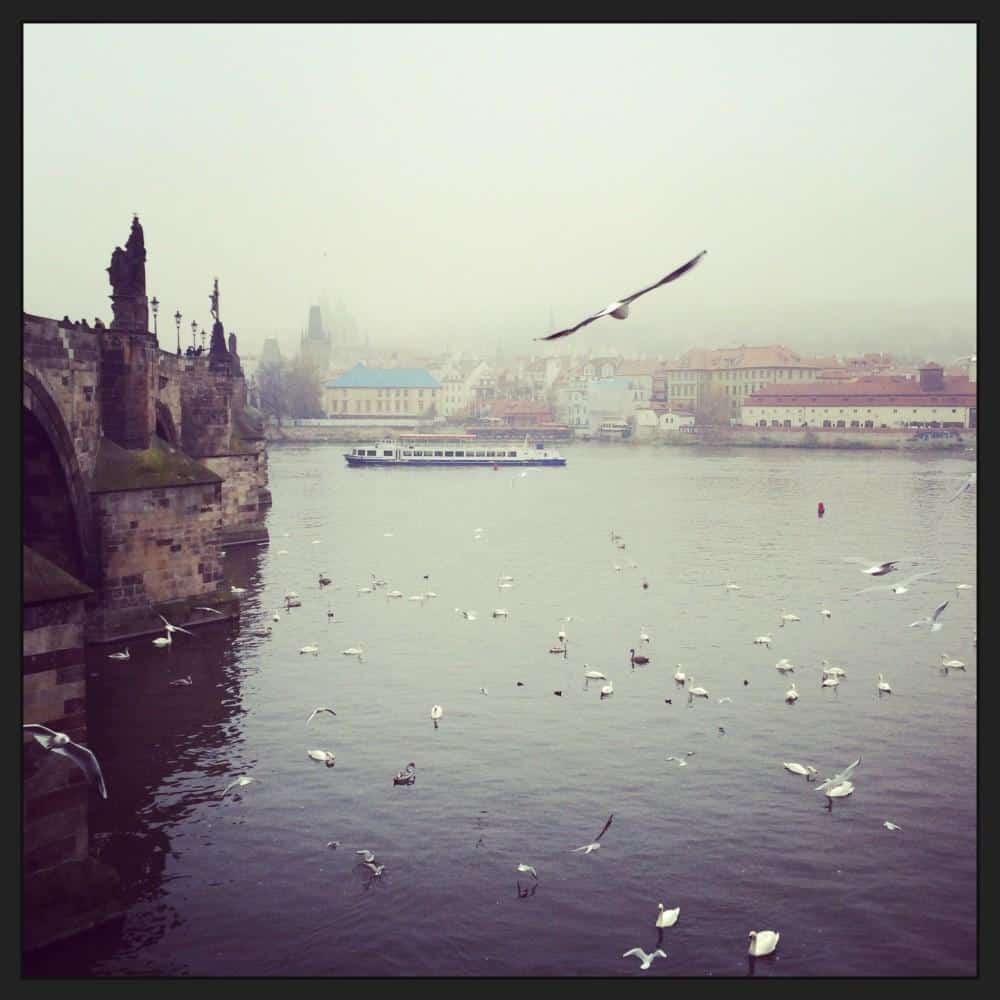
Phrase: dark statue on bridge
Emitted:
{"points": [[127, 275]]}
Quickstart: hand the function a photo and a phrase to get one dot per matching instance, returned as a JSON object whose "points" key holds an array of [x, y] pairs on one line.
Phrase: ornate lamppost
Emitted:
{"points": [[194, 333], [203, 338], [177, 320], [156, 308]]}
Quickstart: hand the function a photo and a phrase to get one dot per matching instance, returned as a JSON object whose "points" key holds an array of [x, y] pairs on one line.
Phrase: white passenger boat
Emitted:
{"points": [[432, 449]]}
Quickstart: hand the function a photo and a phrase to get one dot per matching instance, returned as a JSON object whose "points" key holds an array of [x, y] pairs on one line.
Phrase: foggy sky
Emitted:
{"points": [[457, 184]]}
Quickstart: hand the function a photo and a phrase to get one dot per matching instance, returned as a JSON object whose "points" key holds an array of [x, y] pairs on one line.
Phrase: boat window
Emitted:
{"points": [[512, 454], [459, 454], [370, 452], [491, 454], [437, 454], [482, 454], [387, 454], [407, 454], [449, 454]]}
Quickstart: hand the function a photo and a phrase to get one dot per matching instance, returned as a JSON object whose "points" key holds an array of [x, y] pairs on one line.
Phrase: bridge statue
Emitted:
{"points": [[127, 275]]}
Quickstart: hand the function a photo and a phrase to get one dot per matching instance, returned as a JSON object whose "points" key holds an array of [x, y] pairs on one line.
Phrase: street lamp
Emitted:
{"points": [[177, 320], [194, 333], [156, 308], [203, 338]]}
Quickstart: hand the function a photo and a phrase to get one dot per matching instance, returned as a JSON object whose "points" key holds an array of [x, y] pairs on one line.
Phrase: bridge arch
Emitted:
{"points": [[56, 511]]}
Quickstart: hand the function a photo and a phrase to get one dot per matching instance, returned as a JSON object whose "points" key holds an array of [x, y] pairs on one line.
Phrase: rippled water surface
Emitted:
{"points": [[246, 885]]}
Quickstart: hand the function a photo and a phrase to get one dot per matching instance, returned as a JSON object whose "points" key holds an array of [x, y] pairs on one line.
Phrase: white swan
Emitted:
{"points": [[306, 649], [667, 918], [120, 656], [436, 712], [831, 682], [763, 640], [357, 651], [784, 667], [163, 640], [951, 664], [825, 612], [763, 942], [788, 618], [679, 675], [324, 756], [608, 689], [808, 772], [791, 695], [696, 692], [883, 685], [833, 671]]}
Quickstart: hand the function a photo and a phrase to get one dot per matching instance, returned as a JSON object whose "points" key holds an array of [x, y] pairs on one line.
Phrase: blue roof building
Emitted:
{"points": [[362, 377]]}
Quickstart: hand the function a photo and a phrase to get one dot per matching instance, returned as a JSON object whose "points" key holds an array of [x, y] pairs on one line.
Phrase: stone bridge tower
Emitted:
{"points": [[128, 350]]}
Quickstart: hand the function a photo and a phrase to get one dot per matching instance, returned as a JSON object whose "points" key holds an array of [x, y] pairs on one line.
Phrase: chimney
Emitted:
{"points": [[931, 378]]}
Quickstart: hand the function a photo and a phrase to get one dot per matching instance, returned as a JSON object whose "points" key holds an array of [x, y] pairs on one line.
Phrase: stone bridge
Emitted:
{"points": [[140, 465]]}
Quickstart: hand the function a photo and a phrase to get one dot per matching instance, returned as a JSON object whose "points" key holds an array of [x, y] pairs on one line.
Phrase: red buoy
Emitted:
{"points": [[820, 509]]}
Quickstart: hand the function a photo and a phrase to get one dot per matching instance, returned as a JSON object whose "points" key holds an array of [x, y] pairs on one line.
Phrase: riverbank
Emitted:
{"points": [[743, 437]]}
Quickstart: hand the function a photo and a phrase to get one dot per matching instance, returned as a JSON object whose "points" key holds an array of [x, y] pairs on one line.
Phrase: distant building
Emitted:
{"points": [[737, 372], [872, 402], [270, 354], [315, 344], [382, 392], [521, 412]]}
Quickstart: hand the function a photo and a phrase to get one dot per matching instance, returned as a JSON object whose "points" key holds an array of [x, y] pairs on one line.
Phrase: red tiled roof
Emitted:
{"points": [[771, 356], [878, 390], [638, 368], [517, 407]]}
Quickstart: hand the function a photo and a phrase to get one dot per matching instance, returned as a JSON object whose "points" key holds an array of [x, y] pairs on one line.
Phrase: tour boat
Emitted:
{"points": [[432, 449]]}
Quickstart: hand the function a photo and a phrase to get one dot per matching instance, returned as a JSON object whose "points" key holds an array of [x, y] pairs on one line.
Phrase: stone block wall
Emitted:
{"points": [[63, 356], [245, 497], [128, 386], [159, 545], [56, 792], [206, 411]]}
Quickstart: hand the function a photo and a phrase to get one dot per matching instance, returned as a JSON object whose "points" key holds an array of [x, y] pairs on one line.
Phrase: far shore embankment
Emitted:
{"points": [[734, 437]]}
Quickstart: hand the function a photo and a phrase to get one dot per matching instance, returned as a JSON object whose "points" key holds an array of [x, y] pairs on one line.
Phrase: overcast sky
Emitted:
{"points": [[460, 184]]}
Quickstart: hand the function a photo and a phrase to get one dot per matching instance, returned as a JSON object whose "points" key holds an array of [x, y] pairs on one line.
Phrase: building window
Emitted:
{"points": [[826, 423]]}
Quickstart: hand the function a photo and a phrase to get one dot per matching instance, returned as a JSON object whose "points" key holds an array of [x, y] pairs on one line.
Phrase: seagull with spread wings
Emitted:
{"points": [[931, 619], [61, 744], [620, 308], [587, 848], [964, 488]]}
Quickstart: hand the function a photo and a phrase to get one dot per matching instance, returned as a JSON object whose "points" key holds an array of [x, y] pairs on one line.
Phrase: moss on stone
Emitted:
{"points": [[154, 467]]}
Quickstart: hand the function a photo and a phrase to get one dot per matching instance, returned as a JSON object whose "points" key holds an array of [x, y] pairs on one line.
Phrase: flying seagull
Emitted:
{"points": [[173, 628], [211, 611], [587, 848], [876, 569], [240, 782], [316, 711], [620, 309], [839, 778], [964, 488], [529, 869], [61, 744], [931, 619], [646, 960], [891, 826]]}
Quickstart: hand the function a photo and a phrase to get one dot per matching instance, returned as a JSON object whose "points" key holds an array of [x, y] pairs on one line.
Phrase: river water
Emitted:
{"points": [[246, 884]]}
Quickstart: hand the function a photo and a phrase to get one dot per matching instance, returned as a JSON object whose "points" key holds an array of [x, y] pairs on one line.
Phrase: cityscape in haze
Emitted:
{"points": [[499, 500]]}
